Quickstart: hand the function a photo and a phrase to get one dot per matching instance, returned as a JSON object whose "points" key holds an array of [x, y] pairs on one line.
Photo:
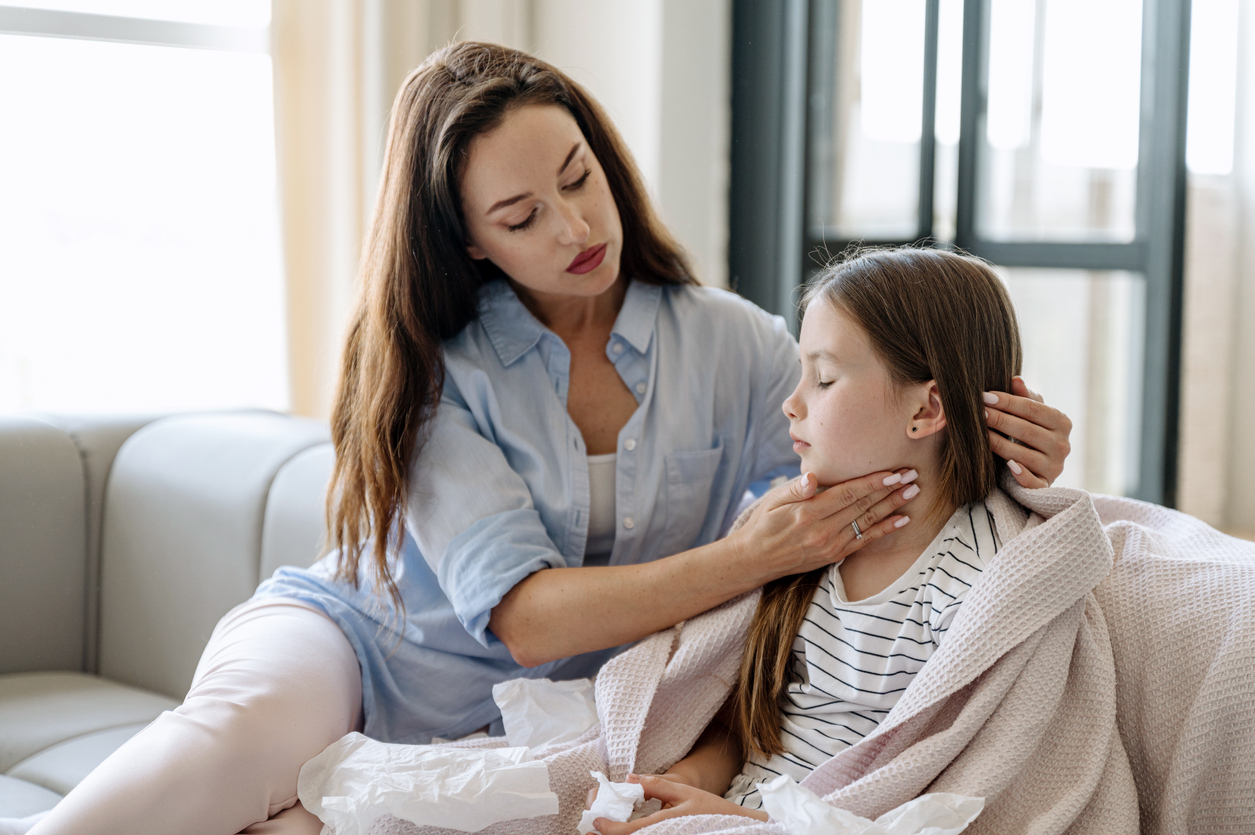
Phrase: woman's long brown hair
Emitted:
{"points": [[419, 286], [929, 315]]}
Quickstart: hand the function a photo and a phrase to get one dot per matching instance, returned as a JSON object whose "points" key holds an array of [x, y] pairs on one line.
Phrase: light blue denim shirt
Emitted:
{"points": [[500, 488]]}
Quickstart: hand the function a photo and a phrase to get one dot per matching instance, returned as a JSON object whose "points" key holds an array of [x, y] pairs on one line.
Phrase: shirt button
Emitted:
{"points": [[640, 388], [629, 444], [617, 348], [629, 522]]}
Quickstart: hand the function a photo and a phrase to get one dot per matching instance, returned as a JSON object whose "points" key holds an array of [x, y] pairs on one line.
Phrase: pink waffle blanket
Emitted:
{"points": [[1099, 678]]}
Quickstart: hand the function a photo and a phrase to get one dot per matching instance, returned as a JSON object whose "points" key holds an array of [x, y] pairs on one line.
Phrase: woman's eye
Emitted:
{"points": [[824, 385], [578, 184], [519, 227]]}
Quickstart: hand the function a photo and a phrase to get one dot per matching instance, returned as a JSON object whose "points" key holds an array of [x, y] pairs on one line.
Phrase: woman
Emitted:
{"points": [[524, 317]]}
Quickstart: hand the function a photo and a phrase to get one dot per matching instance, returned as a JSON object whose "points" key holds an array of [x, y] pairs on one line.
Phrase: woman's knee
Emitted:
{"points": [[277, 679]]}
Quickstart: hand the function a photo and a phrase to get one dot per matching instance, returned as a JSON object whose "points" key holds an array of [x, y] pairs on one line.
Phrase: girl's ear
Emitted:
{"points": [[475, 252], [929, 417]]}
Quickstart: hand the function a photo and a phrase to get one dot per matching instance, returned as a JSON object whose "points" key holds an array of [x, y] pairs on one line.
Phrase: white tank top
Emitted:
{"points": [[601, 472]]}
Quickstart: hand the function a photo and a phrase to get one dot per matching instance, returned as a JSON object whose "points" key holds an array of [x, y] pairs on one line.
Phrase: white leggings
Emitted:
{"points": [[276, 685]]}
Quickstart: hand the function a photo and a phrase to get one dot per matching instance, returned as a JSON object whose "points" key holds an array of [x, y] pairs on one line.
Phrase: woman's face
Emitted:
{"points": [[537, 204], [846, 417]]}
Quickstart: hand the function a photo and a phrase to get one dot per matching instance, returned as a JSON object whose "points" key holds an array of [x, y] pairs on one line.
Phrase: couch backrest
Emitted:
{"points": [[198, 509], [43, 545]]}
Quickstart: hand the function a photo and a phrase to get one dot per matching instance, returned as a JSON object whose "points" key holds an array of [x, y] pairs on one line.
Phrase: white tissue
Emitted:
{"points": [[802, 812], [615, 802], [357, 780], [540, 712]]}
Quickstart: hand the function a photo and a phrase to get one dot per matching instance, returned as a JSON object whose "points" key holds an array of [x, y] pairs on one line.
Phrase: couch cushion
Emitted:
{"points": [[41, 710], [61, 767], [43, 528], [182, 537], [19, 798]]}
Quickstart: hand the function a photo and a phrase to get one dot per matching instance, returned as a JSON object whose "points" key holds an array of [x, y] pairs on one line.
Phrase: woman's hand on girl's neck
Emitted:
{"points": [[881, 562]]}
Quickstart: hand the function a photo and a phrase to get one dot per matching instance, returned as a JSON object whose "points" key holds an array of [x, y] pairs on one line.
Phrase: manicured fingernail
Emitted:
{"points": [[986, 414], [1015, 468], [893, 479], [910, 492], [991, 398], [909, 476], [902, 521]]}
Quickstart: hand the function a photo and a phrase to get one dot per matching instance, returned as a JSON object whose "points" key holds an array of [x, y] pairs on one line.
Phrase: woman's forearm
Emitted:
{"points": [[560, 612]]}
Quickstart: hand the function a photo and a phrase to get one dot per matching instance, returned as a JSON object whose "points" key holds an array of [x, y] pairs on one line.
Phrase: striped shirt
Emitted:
{"points": [[852, 661]]}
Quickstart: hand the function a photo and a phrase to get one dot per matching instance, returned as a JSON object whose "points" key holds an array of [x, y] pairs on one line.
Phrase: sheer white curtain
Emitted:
{"points": [[1217, 452], [337, 64]]}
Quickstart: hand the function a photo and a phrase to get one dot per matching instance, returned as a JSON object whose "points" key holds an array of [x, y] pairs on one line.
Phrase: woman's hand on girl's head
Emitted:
{"points": [[678, 799], [794, 529], [1036, 455]]}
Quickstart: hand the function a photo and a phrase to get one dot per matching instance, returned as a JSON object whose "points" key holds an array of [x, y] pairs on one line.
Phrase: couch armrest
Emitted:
{"points": [[182, 537]]}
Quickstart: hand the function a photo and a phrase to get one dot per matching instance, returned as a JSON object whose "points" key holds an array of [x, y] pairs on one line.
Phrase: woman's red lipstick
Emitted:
{"points": [[588, 260]]}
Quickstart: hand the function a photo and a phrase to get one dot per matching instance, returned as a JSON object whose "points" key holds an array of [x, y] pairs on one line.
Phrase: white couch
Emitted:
{"points": [[123, 540]]}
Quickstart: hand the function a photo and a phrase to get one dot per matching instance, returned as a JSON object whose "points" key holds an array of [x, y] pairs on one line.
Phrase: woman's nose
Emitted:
{"points": [[574, 229]]}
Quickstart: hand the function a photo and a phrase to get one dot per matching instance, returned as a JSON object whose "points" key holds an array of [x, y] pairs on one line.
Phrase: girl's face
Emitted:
{"points": [[537, 204], [846, 417]]}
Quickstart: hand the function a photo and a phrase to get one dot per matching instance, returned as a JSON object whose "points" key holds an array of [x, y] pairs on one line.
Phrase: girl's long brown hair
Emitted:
{"points": [[419, 286], [929, 315]]}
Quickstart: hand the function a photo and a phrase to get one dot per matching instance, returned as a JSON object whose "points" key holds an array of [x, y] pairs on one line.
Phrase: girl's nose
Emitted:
{"points": [[793, 406]]}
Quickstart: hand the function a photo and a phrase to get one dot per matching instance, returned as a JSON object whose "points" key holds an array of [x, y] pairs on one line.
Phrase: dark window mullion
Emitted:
{"points": [[928, 121], [971, 110]]}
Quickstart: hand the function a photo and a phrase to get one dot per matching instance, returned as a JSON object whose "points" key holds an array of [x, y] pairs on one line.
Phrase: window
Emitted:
{"points": [[140, 264], [1047, 136]]}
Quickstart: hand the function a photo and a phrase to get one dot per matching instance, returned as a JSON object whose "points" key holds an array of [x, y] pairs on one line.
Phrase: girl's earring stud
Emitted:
{"points": [[914, 428]]}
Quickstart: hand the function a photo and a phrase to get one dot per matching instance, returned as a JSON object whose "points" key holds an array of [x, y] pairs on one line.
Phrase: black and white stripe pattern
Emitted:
{"points": [[852, 661]]}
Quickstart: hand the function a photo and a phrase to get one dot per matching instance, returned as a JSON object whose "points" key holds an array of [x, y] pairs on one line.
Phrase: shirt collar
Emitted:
{"points": [[514, 331], [510, 326]]}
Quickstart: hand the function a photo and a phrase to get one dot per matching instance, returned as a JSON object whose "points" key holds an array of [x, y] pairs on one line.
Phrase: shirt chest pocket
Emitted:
{"points": [[690, 478]]}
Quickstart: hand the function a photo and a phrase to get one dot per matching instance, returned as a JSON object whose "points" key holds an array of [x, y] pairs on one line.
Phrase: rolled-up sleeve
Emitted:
{"points": [[473, 518]]}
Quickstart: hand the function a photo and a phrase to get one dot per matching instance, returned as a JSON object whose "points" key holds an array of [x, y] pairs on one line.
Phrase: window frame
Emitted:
{"points": [[20, 20]]}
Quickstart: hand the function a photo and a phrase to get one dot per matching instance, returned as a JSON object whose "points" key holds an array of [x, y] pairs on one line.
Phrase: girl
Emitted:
{"points": [[897, 348]]}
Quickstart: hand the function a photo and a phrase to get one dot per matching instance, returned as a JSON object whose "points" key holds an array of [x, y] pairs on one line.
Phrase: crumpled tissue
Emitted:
{"points": [[802, 812], [357, 780], [540, 712], [614, 802]]}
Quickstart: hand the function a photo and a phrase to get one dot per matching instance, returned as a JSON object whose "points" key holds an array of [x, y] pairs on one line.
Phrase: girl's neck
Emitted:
{"points": [[878, 564]]}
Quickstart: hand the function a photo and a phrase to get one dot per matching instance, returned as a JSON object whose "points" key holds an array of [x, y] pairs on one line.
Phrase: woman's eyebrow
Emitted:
{"points": [[510, 201], [570, 156], [821, 354]]}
